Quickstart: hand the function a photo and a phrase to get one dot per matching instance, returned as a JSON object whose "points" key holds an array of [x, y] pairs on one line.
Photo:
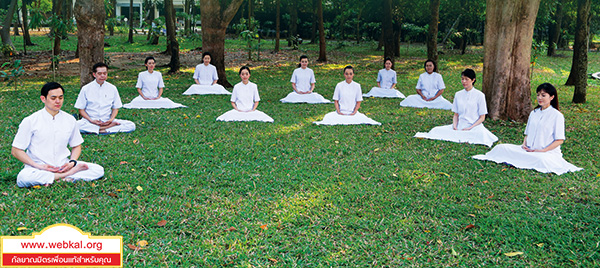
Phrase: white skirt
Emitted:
{"points": [[206, 90], [516, 156], [334, 118], [384, 93], [477, 135], [235, 115], [86, 127], [418, 102], [314, 97], [161, 103]]}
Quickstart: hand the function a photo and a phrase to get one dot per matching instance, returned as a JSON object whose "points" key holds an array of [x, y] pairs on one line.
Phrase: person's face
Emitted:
{"points": [[467, 82], [245, 75], [349, 75], [544, 99], [429, 67], [54, 100], [303, 63], [150, 65], [388, 65], [101, 74], [206, 60]]}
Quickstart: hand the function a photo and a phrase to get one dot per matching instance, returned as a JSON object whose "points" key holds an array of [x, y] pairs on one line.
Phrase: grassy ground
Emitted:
{"points": [[295, 194]]}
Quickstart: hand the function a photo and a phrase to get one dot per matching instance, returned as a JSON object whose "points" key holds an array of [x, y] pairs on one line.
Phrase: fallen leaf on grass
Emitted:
{"points": [[150, 168], [264, 227], [527, 197], [445, 174], [139, 188], [37, 187], [132, 247], [142, 243], [162, 223], [123, 162], [490, 196], [231, 229], [112, 195], [512, 254], [540, 245], [272, 260], [376, 149], [485, 181], [470, 226], [472, 215], [4, 193], [136, 141], [21, 228], [454, 253]]}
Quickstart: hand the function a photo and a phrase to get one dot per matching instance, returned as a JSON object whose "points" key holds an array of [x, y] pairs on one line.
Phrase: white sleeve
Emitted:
{"points": [[23, 137], [455, 103], [140, 83], [441, 84], [336, 93], [215, 73], [482, 106], [312, 77], [358, 93], [256, 96], [196, 73], [419, 83], [161, 83], [559, 127], [75, 138], [234, 94], [81, 102], [294, 78], [117, 100]]}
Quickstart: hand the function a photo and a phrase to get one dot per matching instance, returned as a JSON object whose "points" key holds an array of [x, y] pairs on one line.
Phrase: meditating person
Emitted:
{"points": [[150, 86], [42, 141], [544, 133], [303, 83], [386, 81], [98, 103], [469, 109], [244, 100], [429, 90], [347, 98], [206, 78]]}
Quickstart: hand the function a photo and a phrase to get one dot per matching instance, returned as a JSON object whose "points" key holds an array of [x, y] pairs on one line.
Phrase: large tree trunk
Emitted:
{"points": [[173, 46], [434, 9], [26, 37], [112, 15], [315, 22], [555, 29], [507, 53], [388, 30], [5, 31], [90, 16], [16, 25], [277, 25], [578, 75], [293, 20], [187, 24], [57, 10], [130, 39], [322, 47], [215, 19]]}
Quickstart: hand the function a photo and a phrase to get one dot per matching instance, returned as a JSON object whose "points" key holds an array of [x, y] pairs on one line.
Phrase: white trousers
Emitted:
{"points": [[206, 90], [30, 176], [417, 102], [334, 118], [378, 92], [87, 127]]}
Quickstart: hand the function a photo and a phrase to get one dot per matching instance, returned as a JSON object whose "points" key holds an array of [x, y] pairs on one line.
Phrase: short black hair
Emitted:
{"points": [[51, 86], [349, 67], [99, 65], [149, 58], [435, 69], [470, 74], [205, 54], [244, 68]]}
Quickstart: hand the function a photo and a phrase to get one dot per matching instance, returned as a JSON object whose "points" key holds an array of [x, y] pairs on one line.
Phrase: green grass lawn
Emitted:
{"points": [[298, 194]]}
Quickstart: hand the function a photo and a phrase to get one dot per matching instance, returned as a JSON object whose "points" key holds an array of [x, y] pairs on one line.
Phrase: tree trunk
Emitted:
{"points": [[67, 12], [380, 42], [397, 36], [5, 31], [113, 14], [315, 22], [172, 37], [507, 54], [555, 29], [214, 25], [26, 37], [293, 21], [277, 25], [322, 47], [130, 39], [90, 16], [357, 34], [57, 10], [16, 25], [578, 75], [388, 30], [434, 9], [187, 26]]}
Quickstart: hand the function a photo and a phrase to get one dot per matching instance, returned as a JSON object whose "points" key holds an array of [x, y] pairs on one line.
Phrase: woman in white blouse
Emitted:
{"points": [[429, 90], [244, 100], [150, 86], [303, 83], [386, 81], [206, 77], [469, 109], [544, 133]]}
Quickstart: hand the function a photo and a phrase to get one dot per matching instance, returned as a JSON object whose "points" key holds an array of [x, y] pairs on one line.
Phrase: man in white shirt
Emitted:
{"points": [[41, 144], [99, 103]]}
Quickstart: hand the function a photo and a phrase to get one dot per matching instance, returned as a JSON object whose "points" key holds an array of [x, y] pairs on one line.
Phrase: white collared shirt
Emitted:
{"points": [[245, 96], [469, 105], [386, 78], [45, 138], [347, 95], [544, 127], [206, 75], [150, 83], [430, 84], [303, 78], [99, 100]]}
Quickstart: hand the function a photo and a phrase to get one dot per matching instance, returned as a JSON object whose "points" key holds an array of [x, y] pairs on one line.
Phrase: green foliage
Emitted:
{"points": [[414, 33], [11, 73], [8, 50], [248, 31]]}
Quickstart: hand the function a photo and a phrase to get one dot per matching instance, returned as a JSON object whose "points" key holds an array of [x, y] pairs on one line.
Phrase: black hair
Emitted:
{"points": [[302, 57], [149, 58], [349, 67], [99, 65], [204, 54], [434, 65], [386, 59], [551, 90], [244, 68], [50, 86], [470, 74]]}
